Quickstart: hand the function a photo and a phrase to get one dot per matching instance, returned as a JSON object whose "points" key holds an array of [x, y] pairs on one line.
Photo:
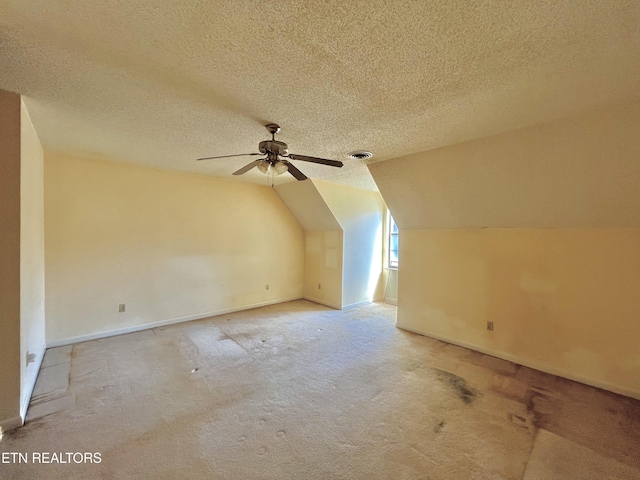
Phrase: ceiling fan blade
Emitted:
{"points": [[227, 156], [323, 161], [295, 172], [248, 167]]}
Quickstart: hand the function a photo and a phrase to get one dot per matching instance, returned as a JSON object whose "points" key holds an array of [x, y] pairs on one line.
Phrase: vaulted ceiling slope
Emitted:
{"points": [[577, 172], [161, 83], [308, 206]]}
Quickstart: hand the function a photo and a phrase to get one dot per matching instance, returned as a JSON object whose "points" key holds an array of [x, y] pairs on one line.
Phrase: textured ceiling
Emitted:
{"points": [[163, 82], [578, 172]]}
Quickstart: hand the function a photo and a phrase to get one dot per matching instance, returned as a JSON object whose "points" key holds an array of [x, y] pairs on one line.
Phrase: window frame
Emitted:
{"points": [[391, 265]]}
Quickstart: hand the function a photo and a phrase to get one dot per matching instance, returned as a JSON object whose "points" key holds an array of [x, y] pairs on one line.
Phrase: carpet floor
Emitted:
{"points": [[301, 391]]}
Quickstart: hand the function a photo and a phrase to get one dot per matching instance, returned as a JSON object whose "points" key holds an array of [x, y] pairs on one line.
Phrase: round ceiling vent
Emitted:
{"points": [[360, 155]]}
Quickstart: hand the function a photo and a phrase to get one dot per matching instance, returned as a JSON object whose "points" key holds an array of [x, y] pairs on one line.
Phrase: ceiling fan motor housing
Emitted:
{"points": [[273, 146], [273, 149]]}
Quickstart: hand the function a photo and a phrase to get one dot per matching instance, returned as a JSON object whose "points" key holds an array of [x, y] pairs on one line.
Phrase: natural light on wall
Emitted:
{"points": [[376, 264]]}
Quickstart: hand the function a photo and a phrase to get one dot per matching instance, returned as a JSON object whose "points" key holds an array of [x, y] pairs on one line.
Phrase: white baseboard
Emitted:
{"points": [[26, 399], [162, 323], [391, 301], [337, 307], [10, 424], [535, 364], [322, 302], [357, 304]]}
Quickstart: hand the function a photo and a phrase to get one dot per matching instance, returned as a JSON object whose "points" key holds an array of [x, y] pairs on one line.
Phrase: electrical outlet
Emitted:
{"points": [[121, 308], [490, 326], [319, 287], [267, 286], [31, 357]]}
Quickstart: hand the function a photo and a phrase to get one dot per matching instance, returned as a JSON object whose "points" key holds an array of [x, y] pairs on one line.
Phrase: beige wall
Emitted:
{"points": [[536, 230], [9, 260], [323, 264], [323, 242], [388, 290], [390, 287], [360, 215], [580, 172], [308, 206], [32, 324], [343, 238], [562, 300], [169, 245]]}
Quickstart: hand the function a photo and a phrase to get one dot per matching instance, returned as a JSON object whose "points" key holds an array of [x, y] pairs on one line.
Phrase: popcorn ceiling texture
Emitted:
{"points": [[162, 83], [578, 172]]}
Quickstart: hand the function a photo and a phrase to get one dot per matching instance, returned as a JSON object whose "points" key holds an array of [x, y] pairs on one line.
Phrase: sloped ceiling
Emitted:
{"points": [[308, 206], [578, 172], [163, 82]]}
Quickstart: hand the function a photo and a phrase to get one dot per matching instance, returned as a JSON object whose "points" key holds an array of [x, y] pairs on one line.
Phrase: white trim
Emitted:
{"points": [[322, 302], [357, 304], [11, 424], [162, 323], [535, 364], [24, 402], [393, 301]]}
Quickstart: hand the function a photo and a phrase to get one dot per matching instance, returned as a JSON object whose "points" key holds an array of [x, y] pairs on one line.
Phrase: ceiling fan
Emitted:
{"points": [[276, 160]]}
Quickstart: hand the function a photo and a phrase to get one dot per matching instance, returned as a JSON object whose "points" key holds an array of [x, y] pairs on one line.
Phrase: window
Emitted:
{"points": [[393, 242]]}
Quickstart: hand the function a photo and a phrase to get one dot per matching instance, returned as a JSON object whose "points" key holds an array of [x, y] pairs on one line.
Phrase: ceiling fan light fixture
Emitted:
{"points": [[264, 167], [271, 164], [280, 167]]}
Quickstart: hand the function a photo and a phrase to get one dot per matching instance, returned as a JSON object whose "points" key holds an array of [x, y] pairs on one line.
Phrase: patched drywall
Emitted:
{"points": [[561, 300], [168, 245], [561, 280], [10, 260], [32, 312]]}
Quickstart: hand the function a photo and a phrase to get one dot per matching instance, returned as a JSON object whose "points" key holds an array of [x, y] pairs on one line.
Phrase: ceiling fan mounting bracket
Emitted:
{"points": [[273, 128]]}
